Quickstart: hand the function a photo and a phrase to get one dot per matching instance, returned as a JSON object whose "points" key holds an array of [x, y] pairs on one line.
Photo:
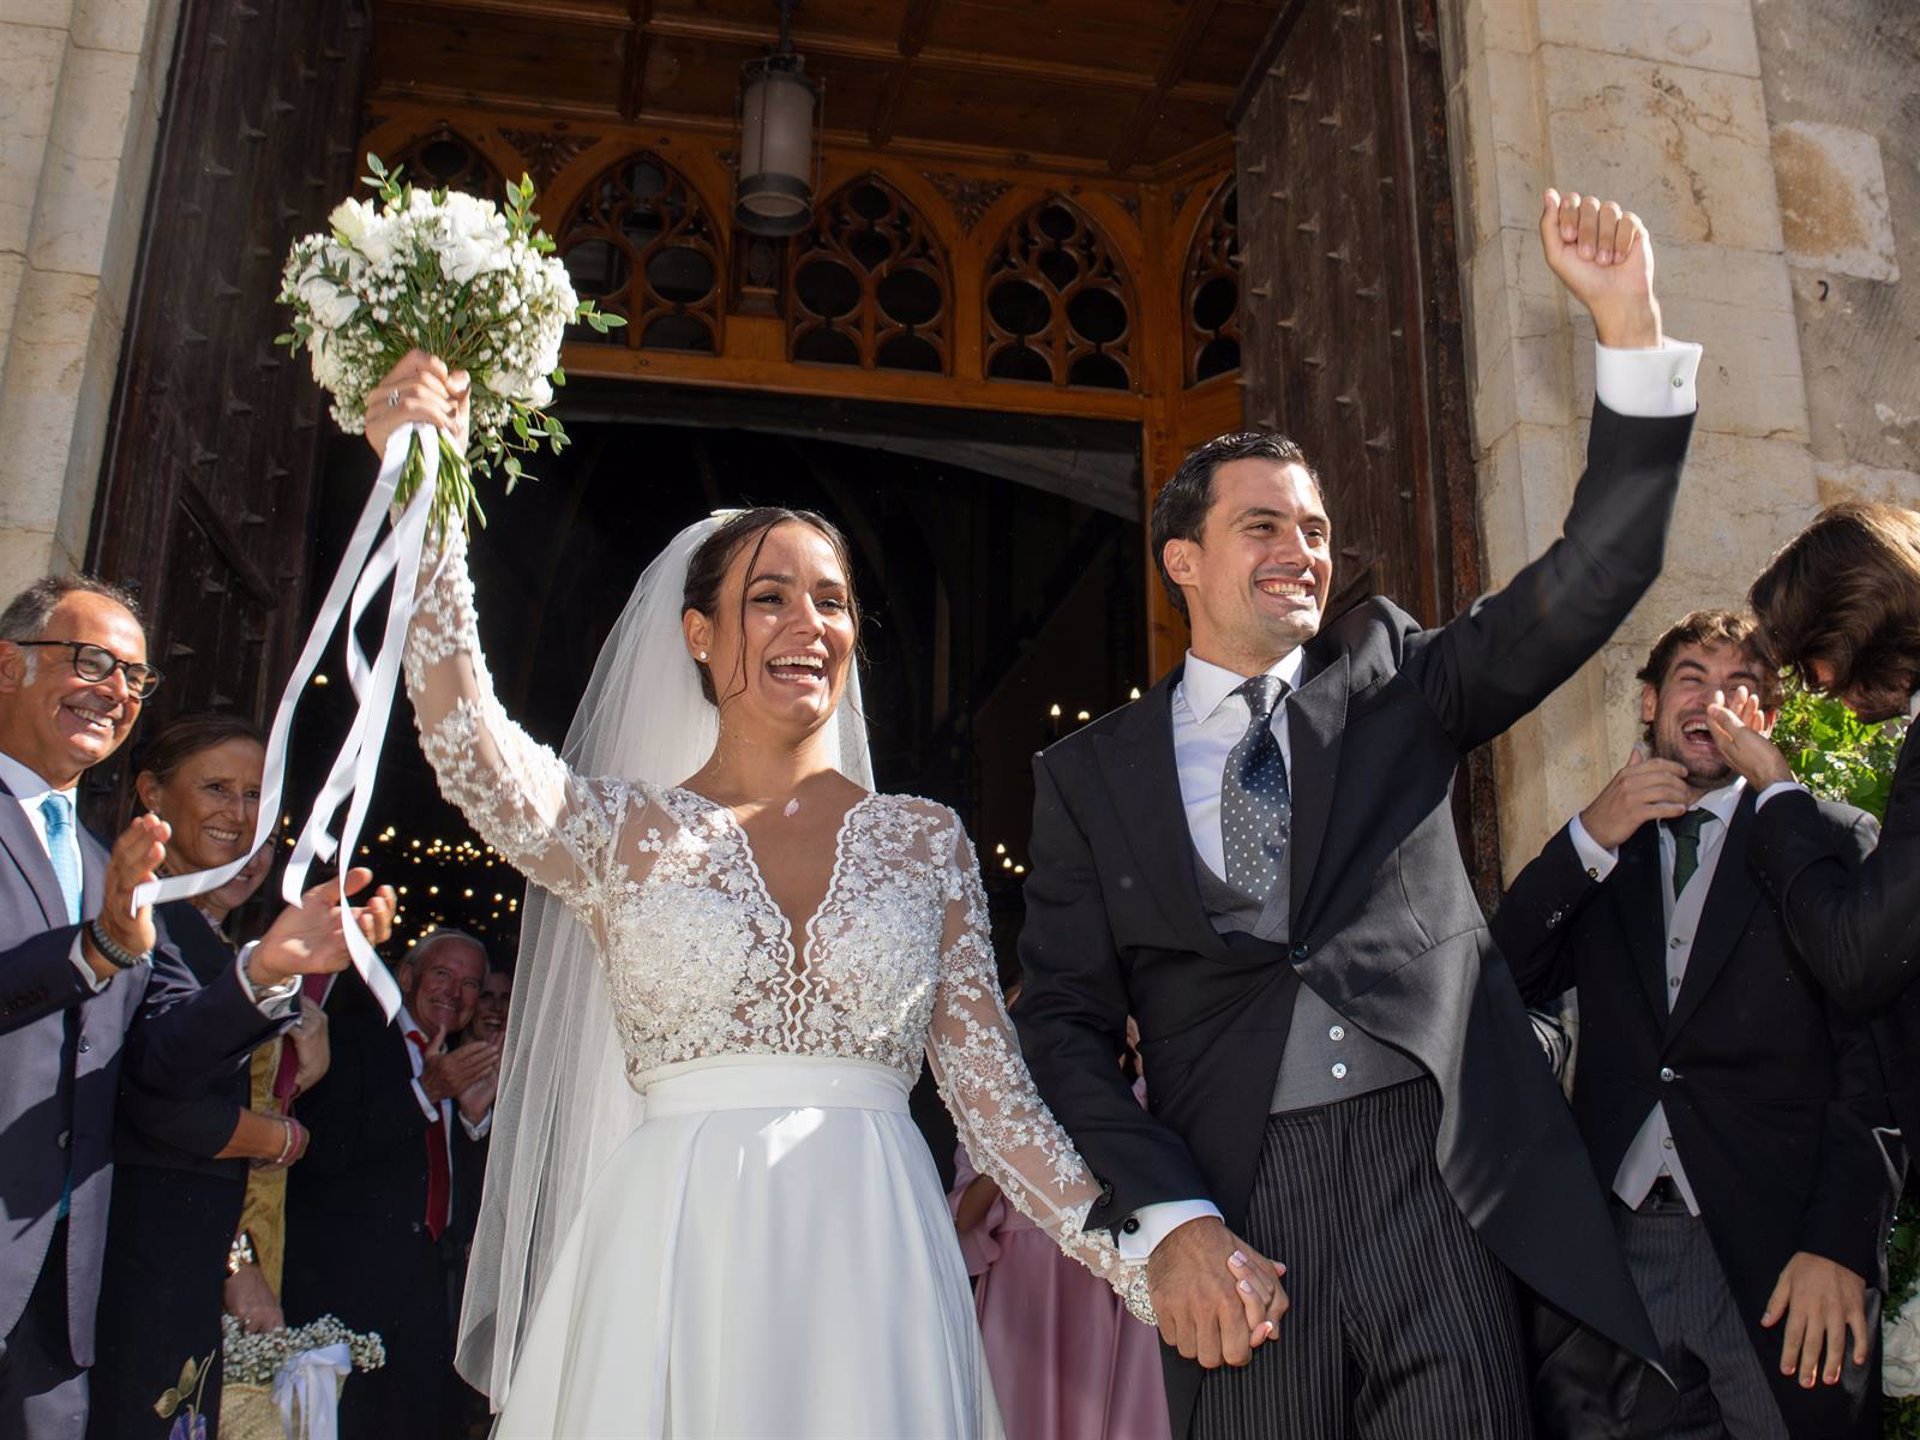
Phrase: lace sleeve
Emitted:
{"points": [[555, 827], [1005, 1126]]}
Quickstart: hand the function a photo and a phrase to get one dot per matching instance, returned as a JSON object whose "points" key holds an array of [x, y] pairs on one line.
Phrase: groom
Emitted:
{"points": [[1257, 862]]}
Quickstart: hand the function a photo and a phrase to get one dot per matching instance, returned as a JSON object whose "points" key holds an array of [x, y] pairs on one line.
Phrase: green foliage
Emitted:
{"points": [[1834, 755]]}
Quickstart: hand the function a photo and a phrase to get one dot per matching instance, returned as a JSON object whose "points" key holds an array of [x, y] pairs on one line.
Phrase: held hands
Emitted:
{"points": [[1741, 730], [306, 939], [1822, 1300], [1604, 256], [1216, 1297], [419, 389], [1642, 790]]}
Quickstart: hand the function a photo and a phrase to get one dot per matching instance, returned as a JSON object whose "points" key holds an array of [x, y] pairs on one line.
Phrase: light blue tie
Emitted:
{"points": [[57, 811], [64, 850]]}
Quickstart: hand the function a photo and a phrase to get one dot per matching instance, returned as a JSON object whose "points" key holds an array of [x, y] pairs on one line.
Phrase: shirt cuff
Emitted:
{"points": [[94, 982], [1143, 1230], [427, 1107], [1650, 384], [477, 1129], [276, 1002], [1779, 787], [1595, 858]]}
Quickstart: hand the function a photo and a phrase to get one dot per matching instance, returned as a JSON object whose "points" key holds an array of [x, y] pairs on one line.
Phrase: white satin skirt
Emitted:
{"points": [[769, 1255]]}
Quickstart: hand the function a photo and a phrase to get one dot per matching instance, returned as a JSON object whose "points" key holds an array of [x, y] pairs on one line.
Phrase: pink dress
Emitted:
{"points": [[1068, 1361]]}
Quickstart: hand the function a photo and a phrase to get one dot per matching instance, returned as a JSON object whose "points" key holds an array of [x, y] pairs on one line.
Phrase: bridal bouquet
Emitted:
{"points": [[455, 276]]}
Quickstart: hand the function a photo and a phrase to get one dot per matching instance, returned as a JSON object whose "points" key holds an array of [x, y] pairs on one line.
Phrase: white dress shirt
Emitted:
{"points": [[30, 792], [1652, 1153], [1208, 719]]}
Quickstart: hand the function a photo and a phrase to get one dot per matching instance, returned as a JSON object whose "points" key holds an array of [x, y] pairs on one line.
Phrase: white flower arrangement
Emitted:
{"points": [[251, 1359], [453, 275]]}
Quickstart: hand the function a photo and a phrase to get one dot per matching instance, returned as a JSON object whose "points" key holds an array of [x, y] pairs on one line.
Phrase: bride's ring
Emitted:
{"points": [[393, 399]]}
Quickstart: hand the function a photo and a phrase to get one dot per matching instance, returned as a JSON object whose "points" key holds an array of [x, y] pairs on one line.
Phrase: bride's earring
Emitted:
{"points": [[703, 657]]}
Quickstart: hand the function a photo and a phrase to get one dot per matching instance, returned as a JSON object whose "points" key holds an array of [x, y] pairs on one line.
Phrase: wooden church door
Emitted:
{"points": [[206, 499]]}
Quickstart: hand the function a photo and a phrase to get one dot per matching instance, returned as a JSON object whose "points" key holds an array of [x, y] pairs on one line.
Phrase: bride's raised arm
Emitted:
{"points": [[1007, 1128], [554, 826]]}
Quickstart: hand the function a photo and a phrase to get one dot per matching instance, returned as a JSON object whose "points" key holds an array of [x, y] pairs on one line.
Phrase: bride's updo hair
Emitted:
{"points": [[747, 530]]}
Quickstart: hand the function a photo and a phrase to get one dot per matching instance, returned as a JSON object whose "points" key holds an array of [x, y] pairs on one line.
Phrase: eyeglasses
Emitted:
{"points": [[95, 663]]}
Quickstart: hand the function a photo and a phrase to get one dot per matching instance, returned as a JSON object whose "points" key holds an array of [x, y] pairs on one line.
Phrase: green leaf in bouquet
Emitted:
{"points": [[167, 1404], [559, 376], [189, 1373]]}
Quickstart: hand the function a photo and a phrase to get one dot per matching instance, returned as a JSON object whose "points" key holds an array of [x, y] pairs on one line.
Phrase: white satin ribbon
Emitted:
{"points": [[308, 1387], [349, 781]]}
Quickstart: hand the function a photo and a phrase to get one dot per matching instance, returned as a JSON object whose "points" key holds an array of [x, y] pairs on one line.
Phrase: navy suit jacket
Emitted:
{"points": [[62, 1048]]}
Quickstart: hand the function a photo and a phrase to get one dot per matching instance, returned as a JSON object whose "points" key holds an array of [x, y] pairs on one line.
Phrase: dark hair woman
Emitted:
{"points": [[177, 1249]]}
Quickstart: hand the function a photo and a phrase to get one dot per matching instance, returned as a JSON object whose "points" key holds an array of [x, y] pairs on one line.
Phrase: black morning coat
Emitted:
{"points": [[1772, 1091], [1858, 929], [1384, 925]]}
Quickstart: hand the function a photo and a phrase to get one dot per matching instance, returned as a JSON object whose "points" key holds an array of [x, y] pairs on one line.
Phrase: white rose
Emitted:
{"points": [[352, 219], [1900, 1351], [542, 393], [462, 257]]}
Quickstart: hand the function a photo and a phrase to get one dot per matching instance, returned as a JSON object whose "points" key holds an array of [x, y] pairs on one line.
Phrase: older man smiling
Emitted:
{"points": [[75, 958]]}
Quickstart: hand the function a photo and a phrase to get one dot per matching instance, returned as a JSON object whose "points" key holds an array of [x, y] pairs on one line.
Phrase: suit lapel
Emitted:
{"points": [[1316, 721], [23, 844], [1636, 890], [1723, 918], [1144, 783]]}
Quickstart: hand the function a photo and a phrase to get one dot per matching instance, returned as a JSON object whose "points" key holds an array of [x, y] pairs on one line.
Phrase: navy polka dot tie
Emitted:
{"points": [[1256, 808]]}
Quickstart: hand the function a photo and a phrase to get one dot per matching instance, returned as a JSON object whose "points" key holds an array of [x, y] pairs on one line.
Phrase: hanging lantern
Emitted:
{"points": [[778, 152]]}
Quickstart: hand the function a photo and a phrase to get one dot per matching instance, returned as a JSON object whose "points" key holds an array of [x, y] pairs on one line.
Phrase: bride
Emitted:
{"points": [[707, 1211]]}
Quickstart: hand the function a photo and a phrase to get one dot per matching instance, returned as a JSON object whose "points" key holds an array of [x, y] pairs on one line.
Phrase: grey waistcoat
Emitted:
{"points": [[1327, 1057]]}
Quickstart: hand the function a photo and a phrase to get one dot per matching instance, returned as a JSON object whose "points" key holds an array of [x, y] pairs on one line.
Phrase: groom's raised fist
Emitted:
{"points": [[1602, 253]]}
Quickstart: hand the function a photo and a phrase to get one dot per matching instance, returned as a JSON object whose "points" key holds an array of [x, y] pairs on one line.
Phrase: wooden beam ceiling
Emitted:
{"points": [[1123, 87]]}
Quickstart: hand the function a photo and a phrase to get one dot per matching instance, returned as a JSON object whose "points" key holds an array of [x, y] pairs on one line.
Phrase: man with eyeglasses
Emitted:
{"points": [[75, 961]]}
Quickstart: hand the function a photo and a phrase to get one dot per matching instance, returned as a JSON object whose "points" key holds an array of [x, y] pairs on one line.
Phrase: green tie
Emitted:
{"points": [[1686, 846]]}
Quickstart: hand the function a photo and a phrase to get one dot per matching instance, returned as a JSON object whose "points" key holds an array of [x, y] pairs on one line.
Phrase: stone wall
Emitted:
{"points": [[1661, 104], [1842, 81], [81, 86]]}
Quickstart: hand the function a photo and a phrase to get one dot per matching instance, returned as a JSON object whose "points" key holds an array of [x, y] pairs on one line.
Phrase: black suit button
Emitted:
{"points": [[1297, 953], [85, 1045], [1667, 1074], [1131, 1227], [416, 1227], [65, 1142]]}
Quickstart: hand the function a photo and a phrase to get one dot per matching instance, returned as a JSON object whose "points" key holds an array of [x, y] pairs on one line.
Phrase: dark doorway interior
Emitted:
{"points": [[988, 600]]}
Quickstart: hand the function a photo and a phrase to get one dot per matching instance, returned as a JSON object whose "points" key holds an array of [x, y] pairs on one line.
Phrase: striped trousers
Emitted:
{"points": [[1403, 1326]]}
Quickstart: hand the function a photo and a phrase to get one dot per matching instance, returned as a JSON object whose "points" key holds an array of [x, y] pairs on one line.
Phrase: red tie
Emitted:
{"points": [[313, 988], [439, 1177]]}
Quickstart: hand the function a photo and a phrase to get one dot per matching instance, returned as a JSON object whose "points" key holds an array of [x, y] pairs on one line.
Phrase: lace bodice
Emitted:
{"points": [[699, 959]]}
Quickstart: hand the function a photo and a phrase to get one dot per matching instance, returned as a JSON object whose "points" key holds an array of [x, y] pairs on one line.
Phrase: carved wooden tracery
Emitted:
{"points": [[1210, 289], [446, 160], [1059, 303], [640, 243], [869, 285]]}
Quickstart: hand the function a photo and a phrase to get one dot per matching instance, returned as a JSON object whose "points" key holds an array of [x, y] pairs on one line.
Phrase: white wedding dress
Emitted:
{"points": [[769, 1253]]}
